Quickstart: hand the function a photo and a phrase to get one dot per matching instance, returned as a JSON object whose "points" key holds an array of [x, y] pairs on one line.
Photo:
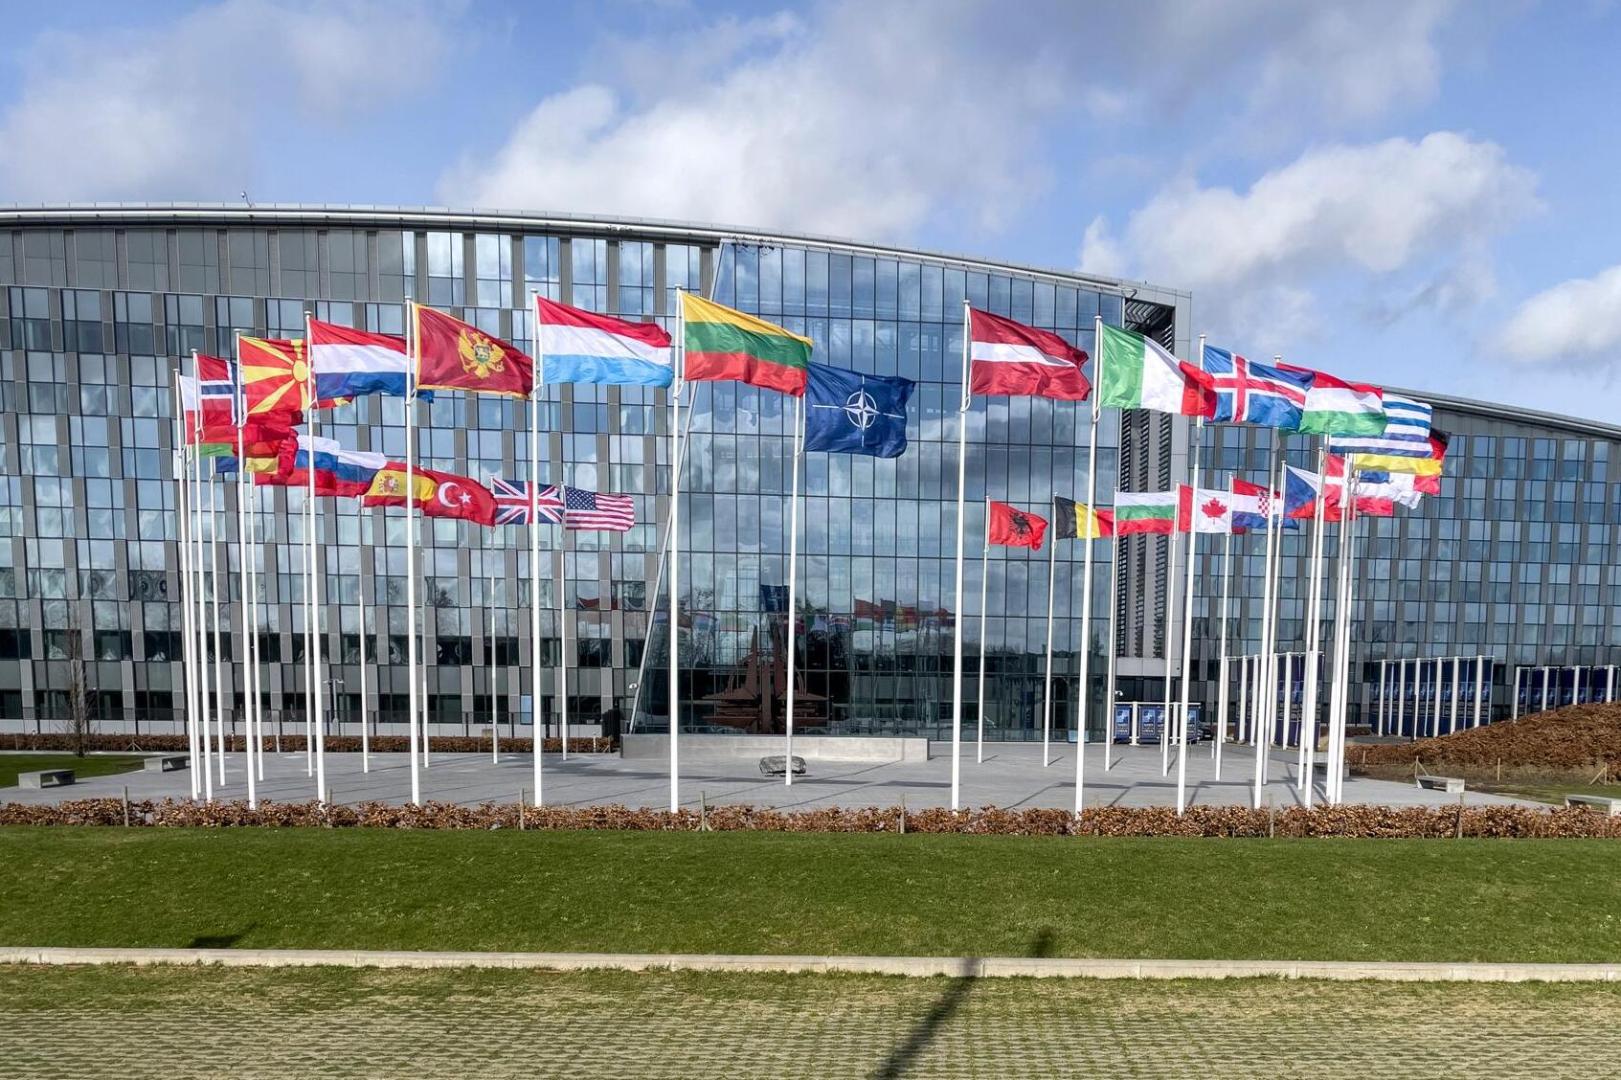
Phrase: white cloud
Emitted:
{"points": [[871, 121], [1576, 321], [1343, 213], [176, 111]]}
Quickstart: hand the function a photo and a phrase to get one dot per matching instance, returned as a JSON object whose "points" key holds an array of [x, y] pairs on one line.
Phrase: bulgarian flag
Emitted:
{"points": [[1136, 373], [1137, 513], [721, 344], [1337, 407]]}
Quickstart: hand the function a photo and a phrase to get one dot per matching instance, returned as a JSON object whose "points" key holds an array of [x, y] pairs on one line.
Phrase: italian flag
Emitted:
{"points": [[722, 344], [1137, 513], [1136, 373], [1337, 407]]}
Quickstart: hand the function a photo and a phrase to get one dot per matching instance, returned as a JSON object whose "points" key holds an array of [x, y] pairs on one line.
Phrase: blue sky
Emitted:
{"points": [[1414, 192]]}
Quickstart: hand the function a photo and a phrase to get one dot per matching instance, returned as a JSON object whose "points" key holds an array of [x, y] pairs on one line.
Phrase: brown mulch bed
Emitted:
{"points": [[1577, 738]]}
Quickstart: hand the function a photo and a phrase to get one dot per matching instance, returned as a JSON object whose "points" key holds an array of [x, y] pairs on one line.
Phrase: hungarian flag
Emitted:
{"points": [[1009, 358], [721, 344], [1203, 510], [1012, 527], [1136, 373], [1076, 521], [1337, 407], [1139, 513], [454, 355], [437, 494]]}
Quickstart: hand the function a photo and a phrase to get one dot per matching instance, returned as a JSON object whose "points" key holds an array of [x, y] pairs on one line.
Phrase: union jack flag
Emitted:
{"points": [[1251, 393], [589, 510], [512, 502]]}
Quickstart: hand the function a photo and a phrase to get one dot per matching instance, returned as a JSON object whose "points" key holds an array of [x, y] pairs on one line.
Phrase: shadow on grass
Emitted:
{"points": [[904, 1057], [221, 941]]}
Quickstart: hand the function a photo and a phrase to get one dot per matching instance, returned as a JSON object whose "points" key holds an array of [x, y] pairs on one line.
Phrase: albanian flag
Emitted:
{"points": [[1013, 527]]}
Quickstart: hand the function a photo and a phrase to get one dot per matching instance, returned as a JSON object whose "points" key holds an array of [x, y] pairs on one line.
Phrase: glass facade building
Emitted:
{"points": [[1514, 560], [97, 304]]}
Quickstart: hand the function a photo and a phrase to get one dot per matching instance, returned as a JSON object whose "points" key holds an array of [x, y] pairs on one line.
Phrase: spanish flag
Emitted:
{"points": [[1075, 521], [721, 344], [436, 494]]}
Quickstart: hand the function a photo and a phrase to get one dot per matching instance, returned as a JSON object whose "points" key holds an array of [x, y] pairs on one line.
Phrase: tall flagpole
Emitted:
{"points": [[414, 351], [251, 602], [1314, 644], [205, 701], [1187, 620], [956, 644], [1223, 678], [1260, 724], [495, 724], [1047, 669], [1109, 687], [798, 444], [365, 710], [1348, 516], [537, 728], [247, 498], [214, 499], [1171, 599], [242, 569], [562, 625], [319, 597], [187, 592], [1083, 697], [984, 602], [677, 384]]}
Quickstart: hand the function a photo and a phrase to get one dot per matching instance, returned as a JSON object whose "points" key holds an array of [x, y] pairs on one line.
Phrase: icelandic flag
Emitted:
{"points": [[575, 346], [849, 412], [337, 471], [348, 363], [1251, 393]]}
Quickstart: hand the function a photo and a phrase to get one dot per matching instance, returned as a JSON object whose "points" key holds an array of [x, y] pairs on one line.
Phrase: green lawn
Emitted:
{"points": [[89, 765], [1488, 900]]}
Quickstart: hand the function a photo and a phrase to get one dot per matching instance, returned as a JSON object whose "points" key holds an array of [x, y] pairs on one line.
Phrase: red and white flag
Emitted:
{"points": [[1207, 510], [1011, 359]]}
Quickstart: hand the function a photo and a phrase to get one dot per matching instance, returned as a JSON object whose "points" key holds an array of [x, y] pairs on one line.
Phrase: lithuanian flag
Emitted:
{"points": [[1075, 521], [722, 344]]}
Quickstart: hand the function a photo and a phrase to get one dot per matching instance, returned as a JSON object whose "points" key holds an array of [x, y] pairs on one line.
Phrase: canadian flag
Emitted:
{"points": [[1204, 510]]}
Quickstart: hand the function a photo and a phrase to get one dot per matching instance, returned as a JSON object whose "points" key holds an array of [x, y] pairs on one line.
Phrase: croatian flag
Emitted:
{"points": [[1251, 505], [1251, 393], [337, 471], [348, 363], [575, 346]]}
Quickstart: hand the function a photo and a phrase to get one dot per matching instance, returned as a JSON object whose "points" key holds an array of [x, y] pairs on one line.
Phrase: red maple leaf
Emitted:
{"points": [[1215, 508]]}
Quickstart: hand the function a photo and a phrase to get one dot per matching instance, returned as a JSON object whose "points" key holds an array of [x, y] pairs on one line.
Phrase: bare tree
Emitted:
{"points": [[78, 718]]}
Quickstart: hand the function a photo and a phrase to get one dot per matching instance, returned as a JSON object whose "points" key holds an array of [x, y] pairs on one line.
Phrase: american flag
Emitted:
{"points": [[589, 510], [512, 502]]}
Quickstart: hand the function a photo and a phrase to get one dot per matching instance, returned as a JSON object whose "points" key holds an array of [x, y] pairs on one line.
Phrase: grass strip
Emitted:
{"points": [[89, 765]]}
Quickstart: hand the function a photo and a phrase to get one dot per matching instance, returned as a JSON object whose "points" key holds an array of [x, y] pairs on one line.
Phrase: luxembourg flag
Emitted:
{"points": [[575, 346], [348, 363]]}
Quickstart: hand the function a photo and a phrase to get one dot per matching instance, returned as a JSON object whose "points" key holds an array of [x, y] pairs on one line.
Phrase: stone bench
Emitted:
{"points": [[45, 778], [1452, 785], [1602, 803], [166, 763], [777, 765]]}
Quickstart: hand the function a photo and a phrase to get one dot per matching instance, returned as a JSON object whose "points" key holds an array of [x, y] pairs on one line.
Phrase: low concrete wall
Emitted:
{"points": [[809, 747]]}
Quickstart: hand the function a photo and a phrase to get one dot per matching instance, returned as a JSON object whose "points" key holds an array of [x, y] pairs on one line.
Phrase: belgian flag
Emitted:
{"points": [[1074, 521]]}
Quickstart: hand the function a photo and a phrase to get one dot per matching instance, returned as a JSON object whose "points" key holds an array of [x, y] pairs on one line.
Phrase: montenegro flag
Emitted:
{"points": [[454, 355], [436, 494]]}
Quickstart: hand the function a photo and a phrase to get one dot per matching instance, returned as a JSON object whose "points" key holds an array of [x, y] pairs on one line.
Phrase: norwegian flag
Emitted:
{"points": [[513, 502], [585, 510]]}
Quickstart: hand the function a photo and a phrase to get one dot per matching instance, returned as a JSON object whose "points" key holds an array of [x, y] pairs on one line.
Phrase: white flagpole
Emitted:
{"points": [[187, 592], [678, 383], [793, 590], [1109, 683], [537, 728], [562, 625], [246, 649], [1047, 669], [495, 724], [214, 575], [425, 717], [1336, 762], [365, 709], [1314, 642], [320, 585], [309, 616], [1223, 679], [414, 350], [956, 645], [1264, 701], [984, 602], [1334, 699], [255, 676], [205, 698], [1083, 698], [1171, 599], [1187, 618]]}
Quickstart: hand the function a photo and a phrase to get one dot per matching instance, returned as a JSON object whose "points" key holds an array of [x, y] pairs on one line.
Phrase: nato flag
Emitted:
{"points": [[848, 412]]}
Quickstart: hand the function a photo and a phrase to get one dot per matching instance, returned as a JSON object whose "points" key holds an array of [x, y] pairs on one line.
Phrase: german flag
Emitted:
{"points": [[1075, 521]]}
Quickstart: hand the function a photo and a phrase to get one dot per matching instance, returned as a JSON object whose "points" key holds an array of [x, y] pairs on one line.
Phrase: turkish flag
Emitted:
{"points": [[1014, 528], [437, 494], [454, 355]]}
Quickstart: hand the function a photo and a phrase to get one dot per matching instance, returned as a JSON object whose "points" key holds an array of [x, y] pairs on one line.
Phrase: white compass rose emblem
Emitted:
{"points": [[861, 409]]}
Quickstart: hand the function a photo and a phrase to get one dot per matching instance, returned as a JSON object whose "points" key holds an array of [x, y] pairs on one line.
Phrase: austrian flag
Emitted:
{"points": [[1011, 359]]}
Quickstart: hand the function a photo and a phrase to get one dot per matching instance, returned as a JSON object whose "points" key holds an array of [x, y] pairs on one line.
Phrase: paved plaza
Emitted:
{"points": [[1011, 776], [177, 1022]]}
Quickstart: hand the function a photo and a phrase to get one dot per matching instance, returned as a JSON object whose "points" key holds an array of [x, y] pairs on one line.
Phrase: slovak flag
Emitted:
{"points": [[348, 363], [1251, 393], [577, 346]]}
